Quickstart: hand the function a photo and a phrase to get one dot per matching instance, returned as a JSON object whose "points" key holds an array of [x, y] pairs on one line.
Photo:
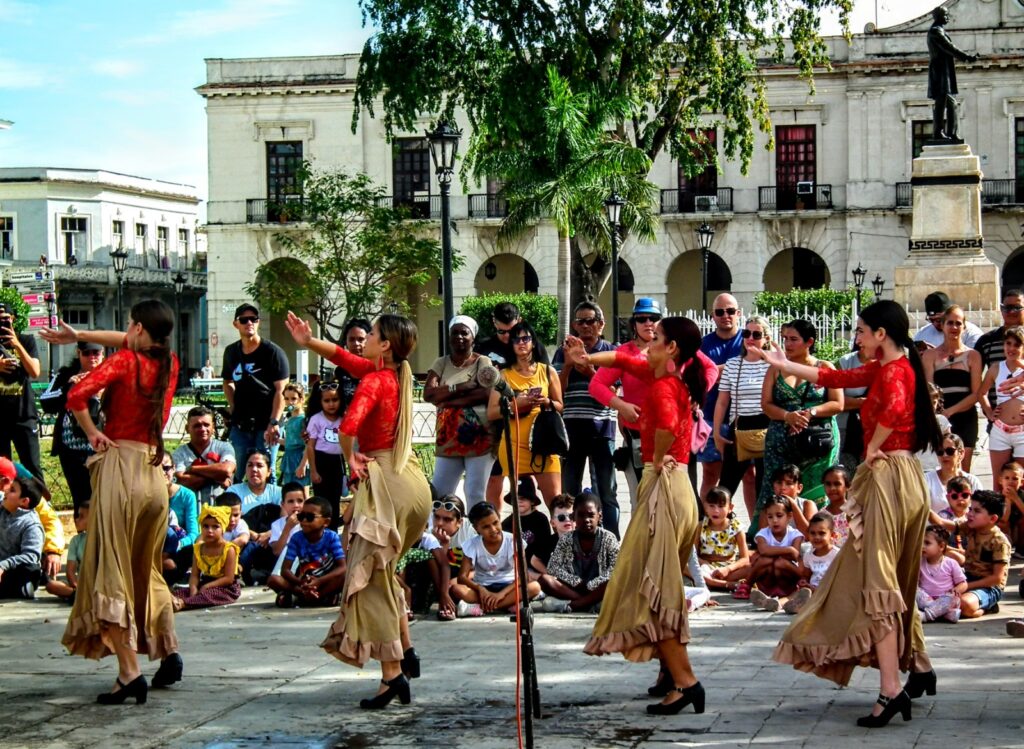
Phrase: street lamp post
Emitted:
{"points": [[859, 274], [704, 236], [179, 287], [878, 285], [444, 146], [613, 205], [120, 259]]}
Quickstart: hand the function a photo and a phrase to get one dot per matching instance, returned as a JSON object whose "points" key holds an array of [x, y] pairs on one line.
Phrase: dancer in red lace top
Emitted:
{"points": [[123, 605], [644, 610], [864, 611], [390, 507]]}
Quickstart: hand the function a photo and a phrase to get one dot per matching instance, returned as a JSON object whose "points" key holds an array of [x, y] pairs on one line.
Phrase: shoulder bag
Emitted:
{"points": [[547, 434], [813, 441], [749, 442]]}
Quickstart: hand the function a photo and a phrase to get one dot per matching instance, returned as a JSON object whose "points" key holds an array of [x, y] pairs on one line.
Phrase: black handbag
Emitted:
{"points": [[816, 440], [547, 436]]}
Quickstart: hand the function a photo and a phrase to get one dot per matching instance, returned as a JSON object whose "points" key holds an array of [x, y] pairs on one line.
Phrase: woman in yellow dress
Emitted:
{"points": [[536, 386]]}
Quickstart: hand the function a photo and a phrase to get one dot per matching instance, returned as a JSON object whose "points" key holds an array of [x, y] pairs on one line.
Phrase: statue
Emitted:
{"points": [[942, 79]]}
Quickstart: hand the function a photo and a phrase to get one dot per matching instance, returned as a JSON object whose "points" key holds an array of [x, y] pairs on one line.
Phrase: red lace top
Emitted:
{"points": [[373, 413], [889, 401], [666, 406], [127, 411]]}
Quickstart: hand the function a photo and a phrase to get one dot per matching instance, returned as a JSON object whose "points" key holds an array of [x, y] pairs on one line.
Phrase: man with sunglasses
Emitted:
{"points": [[990, 345], [720, 345], [935, 306], [255, 372]]}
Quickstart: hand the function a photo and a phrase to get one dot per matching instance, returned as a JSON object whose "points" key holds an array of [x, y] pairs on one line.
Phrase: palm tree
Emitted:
{"points": [[565, 172]]}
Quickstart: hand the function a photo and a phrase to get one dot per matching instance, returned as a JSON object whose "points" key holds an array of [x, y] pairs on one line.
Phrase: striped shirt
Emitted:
{"points": [[744, 395], [578, 403], [990, 346]]}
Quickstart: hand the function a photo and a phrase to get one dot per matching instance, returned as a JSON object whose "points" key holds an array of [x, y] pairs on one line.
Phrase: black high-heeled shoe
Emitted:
{"points": [[663, 686], [170, 671], [137, 688], [691, 695], [890, 706], [397, 687], [919, 683], [411, 664]]}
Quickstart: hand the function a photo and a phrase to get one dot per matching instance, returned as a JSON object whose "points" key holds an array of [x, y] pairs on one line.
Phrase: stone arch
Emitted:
{"points": [[684, 281], [290, 272], [796, 268], [1013, 270], [627, 284], [512, 274]]}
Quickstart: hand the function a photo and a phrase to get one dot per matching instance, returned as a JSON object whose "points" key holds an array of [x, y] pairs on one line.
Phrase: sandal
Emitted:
{"points": [[445, 615], [742, 591]]}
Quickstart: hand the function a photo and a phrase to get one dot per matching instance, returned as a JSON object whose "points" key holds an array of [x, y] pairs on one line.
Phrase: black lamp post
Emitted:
{"points": [[859, 274], [120, 260], [444, 146], [179, 282], [613, 205], [704, 236], [878, 285]]}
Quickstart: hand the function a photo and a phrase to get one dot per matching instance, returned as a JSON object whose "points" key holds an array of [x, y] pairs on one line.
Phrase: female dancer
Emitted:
{"points": [[391, 504], [864, 611], [644, 609], [123, 605]]}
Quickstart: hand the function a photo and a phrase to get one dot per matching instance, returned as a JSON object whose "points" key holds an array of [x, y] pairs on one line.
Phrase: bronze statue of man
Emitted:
{"points": [[942, 78]]}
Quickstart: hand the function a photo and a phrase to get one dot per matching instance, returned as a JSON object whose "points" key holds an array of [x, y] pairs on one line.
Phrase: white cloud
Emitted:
{"points": [[116, 68], [17, 75], [230, 17]]}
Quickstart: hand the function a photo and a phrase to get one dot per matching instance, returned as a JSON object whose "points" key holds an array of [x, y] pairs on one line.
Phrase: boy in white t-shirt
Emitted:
{"points": [[487, 575]]}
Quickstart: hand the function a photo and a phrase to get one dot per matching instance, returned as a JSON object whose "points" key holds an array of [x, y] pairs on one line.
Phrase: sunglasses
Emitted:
{"points": [[958, 495], [248, 319], [563, 518], [757, 335], [720, 312], [1011, 307], [587, 321], [447, 507], [647, 318], [307, 517], [522, 339], [499, 331], [167, 469], [948, 451], [329, 387]]}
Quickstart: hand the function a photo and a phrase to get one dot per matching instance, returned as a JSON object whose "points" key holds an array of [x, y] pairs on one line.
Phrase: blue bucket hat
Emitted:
{"points": [[646, 306]]}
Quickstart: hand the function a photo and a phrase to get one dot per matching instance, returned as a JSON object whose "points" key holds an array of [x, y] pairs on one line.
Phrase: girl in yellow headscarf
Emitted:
{"points": [[214, 578]]}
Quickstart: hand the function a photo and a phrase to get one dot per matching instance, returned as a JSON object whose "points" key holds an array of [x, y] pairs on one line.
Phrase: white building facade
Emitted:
{"points": [[834, 193]]}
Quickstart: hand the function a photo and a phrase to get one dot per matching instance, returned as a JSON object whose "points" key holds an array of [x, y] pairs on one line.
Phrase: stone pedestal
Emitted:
{"points": [[946, 245]]}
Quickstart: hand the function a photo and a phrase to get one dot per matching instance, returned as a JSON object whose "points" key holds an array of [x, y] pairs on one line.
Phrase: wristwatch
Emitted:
{"points": [[813, 412], [274, 422]]}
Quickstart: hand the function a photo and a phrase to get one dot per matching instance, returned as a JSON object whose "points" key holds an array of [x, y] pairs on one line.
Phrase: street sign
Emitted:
{"points": [[30, 277], [42, 322]]}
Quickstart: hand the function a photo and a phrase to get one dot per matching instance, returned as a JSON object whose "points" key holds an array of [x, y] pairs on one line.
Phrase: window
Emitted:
{"points": [[284, 161], [920, 131], [162, 235], [183, 242], [410, 175], [704, 183], [117, 235], [74, 233], [795, 162], [7, 237], [1018, 152], [141, 237], [76, 316]]}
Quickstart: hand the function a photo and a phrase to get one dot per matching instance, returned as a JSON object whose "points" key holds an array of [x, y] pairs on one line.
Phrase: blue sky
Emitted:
{"points": [[109, 84]]}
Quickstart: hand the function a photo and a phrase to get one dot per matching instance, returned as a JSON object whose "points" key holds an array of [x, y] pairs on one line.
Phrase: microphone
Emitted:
{"points": [[489, 377]]}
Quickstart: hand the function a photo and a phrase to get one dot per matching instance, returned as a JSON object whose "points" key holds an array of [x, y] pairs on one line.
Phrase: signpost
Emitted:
{"points": [[38, 290]]}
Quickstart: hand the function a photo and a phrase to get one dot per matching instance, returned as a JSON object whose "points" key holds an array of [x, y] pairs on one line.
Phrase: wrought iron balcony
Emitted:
{"points": [[487, 205], [904, 195], [1002, 192], [419, 206], [263, 211], [804, 196], [696, 201]]}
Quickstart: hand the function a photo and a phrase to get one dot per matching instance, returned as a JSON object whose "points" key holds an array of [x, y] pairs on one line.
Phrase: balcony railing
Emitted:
{"points": [[904, 195], [1002, 191], [420, 206], [816, 197], [263, 211], [487, 205], [695, 201]]}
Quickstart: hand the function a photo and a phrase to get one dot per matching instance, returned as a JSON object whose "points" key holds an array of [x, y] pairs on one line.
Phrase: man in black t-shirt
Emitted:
{"points": [[19, 365], [255, 372]]}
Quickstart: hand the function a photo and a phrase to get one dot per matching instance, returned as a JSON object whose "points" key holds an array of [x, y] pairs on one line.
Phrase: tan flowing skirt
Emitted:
{"points": [[870, 588], [645, 602], [120, 582], [389, 515]]}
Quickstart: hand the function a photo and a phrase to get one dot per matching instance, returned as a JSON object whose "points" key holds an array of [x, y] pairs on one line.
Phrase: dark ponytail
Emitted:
{"points": [[686, 335], [891, 317], [157, 320]]}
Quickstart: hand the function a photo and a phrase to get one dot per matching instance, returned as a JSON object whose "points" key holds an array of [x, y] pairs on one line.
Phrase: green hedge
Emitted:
{"points": [[815, 301], [540, 310], [20, 309]]}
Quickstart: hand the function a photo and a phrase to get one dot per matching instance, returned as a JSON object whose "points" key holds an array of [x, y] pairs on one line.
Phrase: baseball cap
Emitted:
{"points": [[7, 469], [89, 346], [243, 308], [646, 306], [936, 302]]}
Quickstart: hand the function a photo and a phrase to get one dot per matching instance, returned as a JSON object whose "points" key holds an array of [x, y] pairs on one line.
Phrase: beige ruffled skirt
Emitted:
{"points": [[389, 515], [120, 579], [870, 588], [645, 602]]}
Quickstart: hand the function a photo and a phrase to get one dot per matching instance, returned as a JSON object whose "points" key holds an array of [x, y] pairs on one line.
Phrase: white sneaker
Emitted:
{"points": [[463, 609]]}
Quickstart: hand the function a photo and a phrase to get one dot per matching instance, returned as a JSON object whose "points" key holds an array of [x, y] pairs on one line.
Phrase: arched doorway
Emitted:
{"points": [[284, 273], [796, 268], [506, 274], [684, 281], [1013, 270]]}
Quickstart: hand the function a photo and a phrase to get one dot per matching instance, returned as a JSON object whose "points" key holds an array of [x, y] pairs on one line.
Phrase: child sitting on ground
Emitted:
{"points": [[562, 522], [259, 557], [787, 484], [448, 514], [66, 590], [314, 564], [954, 517], [418, 571], [487, 576], [837, 480], [21, 539], [941, 581], [214, 577], [774, 569], [536, 526], [582, 562], [237, 531], [988, 556], [815, 562], [722, 548]]}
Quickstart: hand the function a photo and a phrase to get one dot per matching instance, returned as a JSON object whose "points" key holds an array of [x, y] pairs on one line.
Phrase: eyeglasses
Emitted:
{"points": [[447, 507], [328, 387], [563, 518], [757, 335], [307, 517], [167, 469], [948, 451], [522, 339], [720, 312], [1011, 307], [248, 319], [587, 320], [500, 331], [958, 495], [646, 318]]}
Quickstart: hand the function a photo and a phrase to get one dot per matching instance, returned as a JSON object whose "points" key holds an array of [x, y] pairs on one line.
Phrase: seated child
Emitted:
{"points": [[487, 575], [774, 568], [942, 581], [836, 481], [535, 525], [722, 547], [954, 517], [314, 563], [260, 555], [21, 539], [582, 562], [787, 485], [1011, 477], [53, 528], [447, 520], [987, 558], [562, 522], [214, 577], [237, 531], [66, 590], [816, 561]]}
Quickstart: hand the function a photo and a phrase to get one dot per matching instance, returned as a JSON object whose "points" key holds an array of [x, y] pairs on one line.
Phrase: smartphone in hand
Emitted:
{"points": [[534, 392]]}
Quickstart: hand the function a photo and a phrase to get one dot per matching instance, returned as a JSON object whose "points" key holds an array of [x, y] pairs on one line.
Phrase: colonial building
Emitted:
{"points": [[72, 219], [834, 193]]}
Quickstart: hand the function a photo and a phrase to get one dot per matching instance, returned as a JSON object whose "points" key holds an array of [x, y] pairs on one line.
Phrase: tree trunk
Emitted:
{"points": [[588, 281], [564, 257]]}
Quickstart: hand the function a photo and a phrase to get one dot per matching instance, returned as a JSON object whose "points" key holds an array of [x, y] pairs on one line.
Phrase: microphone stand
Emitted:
{"points": [[531, 689]]}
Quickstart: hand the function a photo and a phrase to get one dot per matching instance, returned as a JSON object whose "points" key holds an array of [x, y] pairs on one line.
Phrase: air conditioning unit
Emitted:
{"points": [[706, 203], [804, 188]]}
